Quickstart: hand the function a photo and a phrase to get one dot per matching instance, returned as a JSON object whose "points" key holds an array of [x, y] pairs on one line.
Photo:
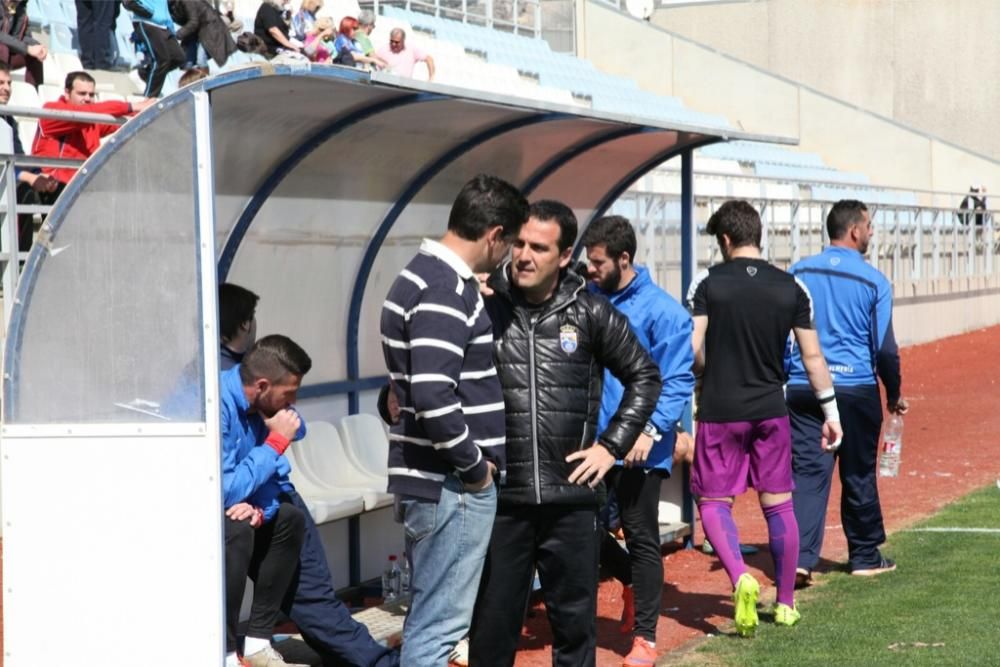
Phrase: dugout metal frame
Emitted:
{"points": [[311, 185]]}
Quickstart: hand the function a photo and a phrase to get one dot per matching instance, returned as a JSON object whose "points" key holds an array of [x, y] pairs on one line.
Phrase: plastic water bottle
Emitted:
{"points": [[892, 448], [404, 578], [390, 580]]}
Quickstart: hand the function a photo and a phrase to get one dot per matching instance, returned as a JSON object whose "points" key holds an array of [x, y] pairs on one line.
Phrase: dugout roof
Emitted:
{"points": [[319, 183]]}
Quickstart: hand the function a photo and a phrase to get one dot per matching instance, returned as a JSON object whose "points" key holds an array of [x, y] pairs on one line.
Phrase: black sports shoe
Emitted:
{"points": [[885, 565]]}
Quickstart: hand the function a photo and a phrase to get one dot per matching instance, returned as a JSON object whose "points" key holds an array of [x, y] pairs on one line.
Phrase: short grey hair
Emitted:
{"points": [[366, 17]]}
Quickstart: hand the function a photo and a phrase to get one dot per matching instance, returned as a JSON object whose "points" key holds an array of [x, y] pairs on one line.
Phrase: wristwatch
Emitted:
{"points": [[653, 432]]}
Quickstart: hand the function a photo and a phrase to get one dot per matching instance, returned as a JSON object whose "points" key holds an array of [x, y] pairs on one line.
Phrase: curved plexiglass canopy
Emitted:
{"points": [[325, 180]]}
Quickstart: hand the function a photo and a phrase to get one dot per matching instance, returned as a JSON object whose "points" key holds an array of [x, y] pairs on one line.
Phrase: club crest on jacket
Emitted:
{"points": [[567, 338]]}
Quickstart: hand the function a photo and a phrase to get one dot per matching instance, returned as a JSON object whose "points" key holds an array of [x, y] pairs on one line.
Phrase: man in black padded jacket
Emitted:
{"points": [[552, 340]]}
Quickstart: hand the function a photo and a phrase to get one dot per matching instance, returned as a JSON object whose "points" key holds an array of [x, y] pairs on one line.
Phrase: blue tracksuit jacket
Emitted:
{"points": [[251, 471], [663, 327], [852, 304]]}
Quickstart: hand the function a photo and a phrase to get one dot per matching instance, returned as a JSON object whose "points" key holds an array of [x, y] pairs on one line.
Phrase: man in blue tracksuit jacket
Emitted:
{"points": [[257, 427], [663, 327], [853, 315]]}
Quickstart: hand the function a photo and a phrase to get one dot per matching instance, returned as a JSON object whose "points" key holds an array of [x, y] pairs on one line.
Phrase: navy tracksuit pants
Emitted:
{"points": [[324, 621], [860, 511]]}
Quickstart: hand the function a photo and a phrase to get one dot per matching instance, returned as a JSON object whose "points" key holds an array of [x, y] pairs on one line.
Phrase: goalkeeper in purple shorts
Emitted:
{"points": [[744, 310]]}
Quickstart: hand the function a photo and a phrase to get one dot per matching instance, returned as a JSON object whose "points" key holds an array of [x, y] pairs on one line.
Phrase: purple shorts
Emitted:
{"points": [[729, 456]]}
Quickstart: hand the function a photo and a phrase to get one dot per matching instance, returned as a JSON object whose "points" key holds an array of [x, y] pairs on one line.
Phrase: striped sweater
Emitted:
{"points": [[438, 345]]}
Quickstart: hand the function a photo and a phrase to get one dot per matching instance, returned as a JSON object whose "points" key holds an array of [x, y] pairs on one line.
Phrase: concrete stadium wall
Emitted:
{"points": [[931, 309], [849, 137], [926, 63]]}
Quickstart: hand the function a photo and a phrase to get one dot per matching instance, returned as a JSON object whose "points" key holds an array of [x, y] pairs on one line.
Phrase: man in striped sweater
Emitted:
{"points": [[449, 443]]}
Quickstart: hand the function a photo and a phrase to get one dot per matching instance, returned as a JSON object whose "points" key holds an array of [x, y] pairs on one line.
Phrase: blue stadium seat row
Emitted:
{"points": [[748, 151], [795, 174], [531, 56]]}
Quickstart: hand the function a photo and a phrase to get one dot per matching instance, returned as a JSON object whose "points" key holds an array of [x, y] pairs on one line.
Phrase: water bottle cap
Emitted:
{"points": [[392, 556]]}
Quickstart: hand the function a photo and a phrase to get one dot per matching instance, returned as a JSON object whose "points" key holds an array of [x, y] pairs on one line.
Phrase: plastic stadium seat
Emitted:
{"points": [[26, 128], [324, 461], [324, 504], [24, 95], [123, 41], [37, 14], [62, 38], [69, 62], [47, 11], [366, 443], [49, 92]]}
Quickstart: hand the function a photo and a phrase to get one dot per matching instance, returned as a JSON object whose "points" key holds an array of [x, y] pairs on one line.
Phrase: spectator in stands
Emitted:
{"points": [[744, 310], [366, 23], [400, 58], [853, 308], [257, 416], [95, 27], [304, 20], [17, 47], [663, 328], [346, 50], [272, 28], [975, 200], [191, 75], [33, 187], [154, 29], [237, 323], [448, 446], [553, 340], [318, 47], [201, 24], [264, 530], [61, 138], [249, 49]]}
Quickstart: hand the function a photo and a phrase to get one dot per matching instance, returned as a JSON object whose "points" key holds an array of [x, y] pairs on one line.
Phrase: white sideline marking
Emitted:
{"points": [[952, 530]]}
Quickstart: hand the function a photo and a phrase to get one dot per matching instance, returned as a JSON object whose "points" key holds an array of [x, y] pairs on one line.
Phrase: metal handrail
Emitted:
{"points": [[461, 11], [911, 242], [79, 116]]}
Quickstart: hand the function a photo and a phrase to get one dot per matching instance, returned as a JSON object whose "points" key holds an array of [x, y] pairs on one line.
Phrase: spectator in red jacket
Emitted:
{"points": [[71, 139]]}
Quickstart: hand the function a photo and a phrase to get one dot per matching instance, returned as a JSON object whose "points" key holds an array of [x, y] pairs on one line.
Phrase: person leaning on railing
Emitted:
{"points": [[61, 138]]}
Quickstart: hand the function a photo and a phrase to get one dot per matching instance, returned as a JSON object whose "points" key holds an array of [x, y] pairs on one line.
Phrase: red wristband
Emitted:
{"points": [[277, 442]]}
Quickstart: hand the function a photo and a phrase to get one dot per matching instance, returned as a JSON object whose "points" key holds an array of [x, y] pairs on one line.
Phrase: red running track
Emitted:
{"points": [[950, 449]]}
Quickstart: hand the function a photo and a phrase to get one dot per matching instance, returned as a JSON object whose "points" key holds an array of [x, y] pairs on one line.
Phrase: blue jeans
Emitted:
{"points": [[446, 542]]}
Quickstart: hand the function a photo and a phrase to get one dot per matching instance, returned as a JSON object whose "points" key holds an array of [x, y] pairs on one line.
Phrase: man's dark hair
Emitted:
{"points": [[845, 214], [236, 306], [615, 233], [485, 202], [739, 221], [4, 67], [273, 357], [73, 77], [549, 210], [248, 42]]}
